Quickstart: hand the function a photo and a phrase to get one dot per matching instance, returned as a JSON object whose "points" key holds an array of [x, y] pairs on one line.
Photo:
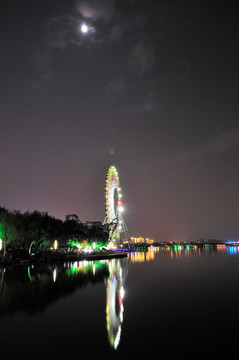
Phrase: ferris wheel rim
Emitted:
{"points": [[112, 184]]}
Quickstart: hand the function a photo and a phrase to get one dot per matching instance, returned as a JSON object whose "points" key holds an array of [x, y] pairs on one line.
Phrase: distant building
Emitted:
{"points": [[93, 223], [141, 240], [73, 217]]}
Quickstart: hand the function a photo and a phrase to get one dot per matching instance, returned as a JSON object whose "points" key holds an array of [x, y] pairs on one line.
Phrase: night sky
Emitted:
{"points": [[151, 87]]}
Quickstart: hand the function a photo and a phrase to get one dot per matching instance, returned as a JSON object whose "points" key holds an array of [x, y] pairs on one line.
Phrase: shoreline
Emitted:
{"points": [[55, 257]]}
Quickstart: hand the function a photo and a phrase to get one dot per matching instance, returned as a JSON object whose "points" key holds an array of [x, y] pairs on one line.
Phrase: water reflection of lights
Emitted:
{"points": [[232, 250], [114, 303], [54, 274], [115, 291], [221, 248], [85, 267], [142, 256], [178, 251]]}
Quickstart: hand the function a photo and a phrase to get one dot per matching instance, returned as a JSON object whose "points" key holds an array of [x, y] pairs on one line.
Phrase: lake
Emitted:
{"points": [[172, 302]]}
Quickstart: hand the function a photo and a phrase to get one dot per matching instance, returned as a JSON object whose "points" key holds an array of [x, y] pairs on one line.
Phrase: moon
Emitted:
{"points": [[84, 28]]}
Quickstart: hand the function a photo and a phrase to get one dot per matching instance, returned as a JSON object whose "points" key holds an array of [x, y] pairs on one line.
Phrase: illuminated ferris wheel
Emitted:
{"points": [[113, 206]]}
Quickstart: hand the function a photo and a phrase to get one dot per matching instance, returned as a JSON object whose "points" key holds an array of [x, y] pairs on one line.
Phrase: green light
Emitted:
{"points": [[94, 244], [1, 231], [86, 267]]}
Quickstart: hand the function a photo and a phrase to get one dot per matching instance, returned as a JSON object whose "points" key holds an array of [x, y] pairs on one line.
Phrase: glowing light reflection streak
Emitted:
{"points": [[114, 303]]}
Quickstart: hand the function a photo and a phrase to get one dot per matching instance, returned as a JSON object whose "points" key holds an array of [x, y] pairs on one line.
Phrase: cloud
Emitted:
{"points": [[59, 30], [224, 141], [141, 58], [220, 144], [39, 60], [117, 30], [115, 87], [135, 110], [131, 110], [97, 9], [145, 106]]}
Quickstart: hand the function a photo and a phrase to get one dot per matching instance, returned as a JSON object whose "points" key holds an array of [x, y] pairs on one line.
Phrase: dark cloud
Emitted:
{"points": [[40, 62], [115, 87], [59, 31], [216, 146], [136, 111], [97, 9], [118, 30], [141, 58]]}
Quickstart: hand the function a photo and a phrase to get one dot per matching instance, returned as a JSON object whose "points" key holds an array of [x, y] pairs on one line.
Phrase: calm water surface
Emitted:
{"points": [[161, 303]]}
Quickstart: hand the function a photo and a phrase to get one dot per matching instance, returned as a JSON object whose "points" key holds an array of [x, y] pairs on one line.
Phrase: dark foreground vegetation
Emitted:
{"points": [[35, 232]]}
